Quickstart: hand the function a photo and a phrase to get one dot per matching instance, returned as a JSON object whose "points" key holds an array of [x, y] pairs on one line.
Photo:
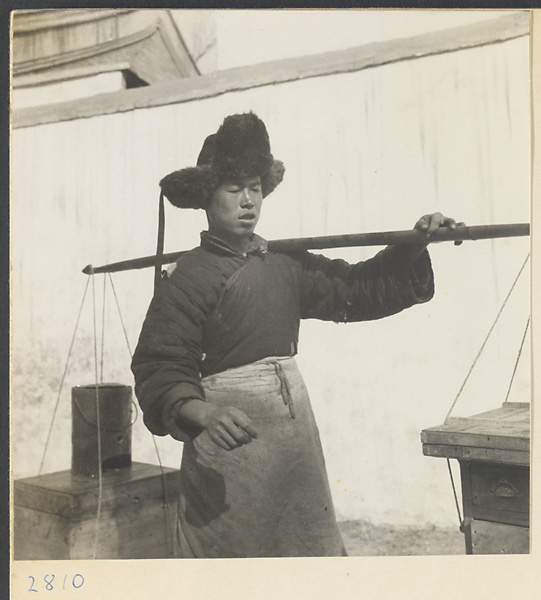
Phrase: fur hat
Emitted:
{"points": [[240, 148]]}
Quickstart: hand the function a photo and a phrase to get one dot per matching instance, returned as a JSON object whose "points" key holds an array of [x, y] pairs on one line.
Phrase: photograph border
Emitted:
{"points": [[420, 577]]}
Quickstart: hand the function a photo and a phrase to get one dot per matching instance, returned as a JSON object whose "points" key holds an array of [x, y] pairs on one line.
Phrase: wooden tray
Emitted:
{"points": [[501, 435]]}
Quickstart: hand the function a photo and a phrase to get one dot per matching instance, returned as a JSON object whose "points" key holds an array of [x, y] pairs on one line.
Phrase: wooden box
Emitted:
{"points": [[493, 450], [55, 515]]}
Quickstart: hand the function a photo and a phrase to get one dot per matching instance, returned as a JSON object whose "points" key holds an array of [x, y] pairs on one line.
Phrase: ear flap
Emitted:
{"points": [[273, 177], [192, 187]]}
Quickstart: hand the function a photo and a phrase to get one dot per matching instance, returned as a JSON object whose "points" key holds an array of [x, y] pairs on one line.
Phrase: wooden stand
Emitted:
{"points": [[55, 514], [493, 450]]}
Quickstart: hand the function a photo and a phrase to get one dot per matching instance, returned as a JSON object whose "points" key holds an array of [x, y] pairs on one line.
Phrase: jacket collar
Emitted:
{"points": [[210, 242]]}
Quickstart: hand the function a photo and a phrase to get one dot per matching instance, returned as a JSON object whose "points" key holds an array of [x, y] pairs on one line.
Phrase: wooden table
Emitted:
{"points": [[55, 514], [493, 450]]}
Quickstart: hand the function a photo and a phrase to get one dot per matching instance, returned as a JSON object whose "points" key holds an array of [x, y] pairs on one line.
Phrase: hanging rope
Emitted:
{"points": [[160, 243], [98, 426], [517, 361], [164, 482], [165, 499], [63, 378], [134, 404], [120, 315], [103, 327], [486, 339], [461, 521]]}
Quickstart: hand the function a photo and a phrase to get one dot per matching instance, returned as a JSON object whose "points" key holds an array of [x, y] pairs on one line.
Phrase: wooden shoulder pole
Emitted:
{"points": [[389, 238], [410, 236]]}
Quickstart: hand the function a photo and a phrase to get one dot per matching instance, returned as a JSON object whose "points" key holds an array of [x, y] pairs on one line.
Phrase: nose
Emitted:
{"points": [[246, 199]]}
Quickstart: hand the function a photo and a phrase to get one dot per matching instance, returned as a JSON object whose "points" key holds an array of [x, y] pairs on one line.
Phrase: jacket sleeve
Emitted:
{"points": [[334, 290], [166, 362]]}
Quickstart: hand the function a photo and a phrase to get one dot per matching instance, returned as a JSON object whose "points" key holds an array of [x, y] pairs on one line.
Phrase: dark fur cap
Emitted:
{"points": [[240, 148]]}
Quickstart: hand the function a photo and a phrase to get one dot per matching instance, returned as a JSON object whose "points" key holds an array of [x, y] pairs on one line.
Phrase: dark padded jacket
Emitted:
{"points": [[219, 310]]}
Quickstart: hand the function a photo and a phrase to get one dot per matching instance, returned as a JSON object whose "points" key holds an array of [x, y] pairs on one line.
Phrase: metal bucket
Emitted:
{"points": [[115, 407]]}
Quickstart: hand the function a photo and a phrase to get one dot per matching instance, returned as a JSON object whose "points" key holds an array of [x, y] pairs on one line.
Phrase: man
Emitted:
{"points": [[215, 367]]}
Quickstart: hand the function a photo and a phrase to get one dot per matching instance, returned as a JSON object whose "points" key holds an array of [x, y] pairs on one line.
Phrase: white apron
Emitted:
{"points": [[270, 497]]}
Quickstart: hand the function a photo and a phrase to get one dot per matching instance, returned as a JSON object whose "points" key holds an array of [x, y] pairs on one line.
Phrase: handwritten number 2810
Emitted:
{"points": [[77, 582]]}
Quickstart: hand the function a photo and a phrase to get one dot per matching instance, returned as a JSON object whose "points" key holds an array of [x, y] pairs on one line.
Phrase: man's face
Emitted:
{"points": [[235, 208]]}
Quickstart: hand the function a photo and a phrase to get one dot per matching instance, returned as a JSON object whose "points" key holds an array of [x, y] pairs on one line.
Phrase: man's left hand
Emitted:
{"points": [[428, 224], [431, 223]]}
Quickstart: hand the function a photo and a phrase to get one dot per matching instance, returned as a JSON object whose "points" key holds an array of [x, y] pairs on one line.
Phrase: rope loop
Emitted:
{"points": [[106, 429]]}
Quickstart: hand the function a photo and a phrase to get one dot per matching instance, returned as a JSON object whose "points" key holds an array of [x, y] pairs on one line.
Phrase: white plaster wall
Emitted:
{"points": [[246, 37], [365, 151]]}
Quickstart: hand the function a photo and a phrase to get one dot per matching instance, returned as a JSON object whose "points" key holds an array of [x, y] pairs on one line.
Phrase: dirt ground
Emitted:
{"points": [[363, 538]]}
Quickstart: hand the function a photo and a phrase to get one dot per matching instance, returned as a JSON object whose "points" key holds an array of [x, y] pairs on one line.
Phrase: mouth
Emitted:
{"points": [[247, 217]]}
